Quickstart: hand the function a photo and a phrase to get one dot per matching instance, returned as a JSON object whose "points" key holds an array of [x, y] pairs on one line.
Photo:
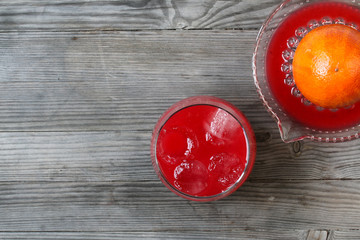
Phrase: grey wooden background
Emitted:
{"points": [[83, 83]]}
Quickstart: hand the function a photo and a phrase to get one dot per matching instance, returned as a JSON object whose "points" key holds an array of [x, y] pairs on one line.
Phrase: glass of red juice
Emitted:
{"points": [[297, 118], [203, 148]]}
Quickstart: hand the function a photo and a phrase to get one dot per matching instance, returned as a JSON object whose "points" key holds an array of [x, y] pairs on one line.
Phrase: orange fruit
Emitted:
{"points": [[326, 66]]}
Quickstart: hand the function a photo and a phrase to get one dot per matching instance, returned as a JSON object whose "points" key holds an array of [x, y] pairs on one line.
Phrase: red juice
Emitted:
{"points": [[308, 115], [202, 150]]}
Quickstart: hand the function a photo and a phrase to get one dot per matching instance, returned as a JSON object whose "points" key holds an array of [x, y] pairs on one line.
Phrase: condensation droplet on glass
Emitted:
{"points": [[301, 32], [289, 80], [354, 26], [319, 108], [339, 21], [313, 24], [306, 102], [293, 42], [350, 107], [296, 92], [326, 21], [286, 67], [288, 54]]}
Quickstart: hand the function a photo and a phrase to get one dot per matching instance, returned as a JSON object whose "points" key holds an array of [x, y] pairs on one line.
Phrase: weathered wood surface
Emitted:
{"points": [[118, 81], [123, 155], [345, 235], [133, 15], [80, 93], [234, 235], [147, 206]]}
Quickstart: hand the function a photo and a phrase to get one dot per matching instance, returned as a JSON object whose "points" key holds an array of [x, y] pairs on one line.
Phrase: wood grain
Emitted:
{"points": [[24, 15], [125, 155], [118, 81], [345, 235], [153, 235], [238, 235], [82, 85], [150, 206]]}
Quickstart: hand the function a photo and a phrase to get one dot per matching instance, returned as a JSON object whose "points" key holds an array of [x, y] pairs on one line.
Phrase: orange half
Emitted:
{"points": [[326, 66]]}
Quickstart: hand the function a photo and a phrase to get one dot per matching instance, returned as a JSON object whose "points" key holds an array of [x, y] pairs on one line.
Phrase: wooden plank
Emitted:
{"points": [[149, 206], [124, 155], [276, 160], [345, 235], [169, 235], [85, 157], [118, 81], [62, 15]]}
